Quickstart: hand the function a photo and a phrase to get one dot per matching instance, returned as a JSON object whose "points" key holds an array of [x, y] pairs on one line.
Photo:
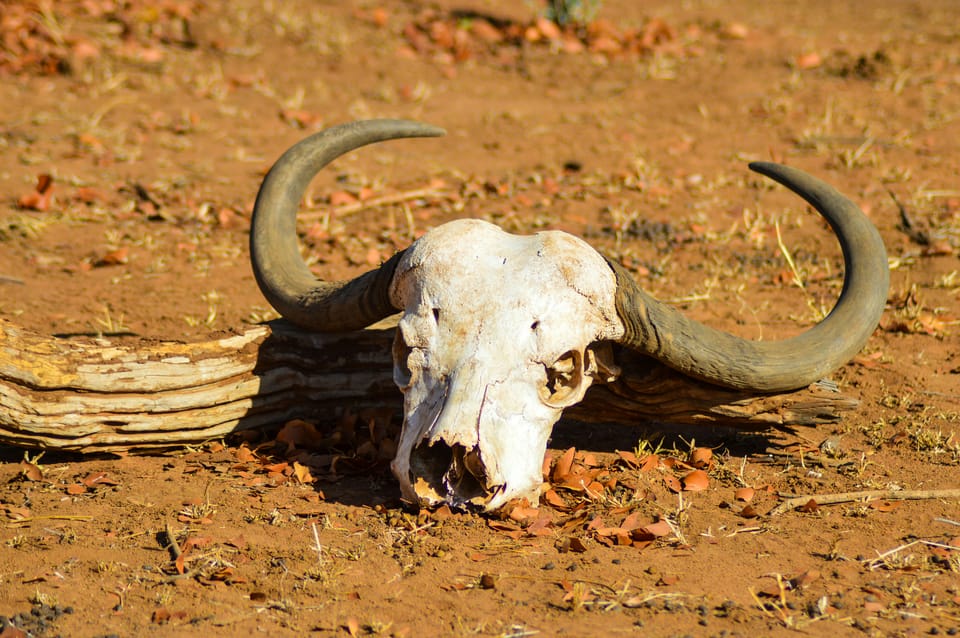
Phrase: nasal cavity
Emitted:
{"points": [[454, 473]]}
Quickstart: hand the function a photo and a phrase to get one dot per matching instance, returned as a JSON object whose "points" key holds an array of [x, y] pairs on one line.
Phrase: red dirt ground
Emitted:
{"points": [[147, 127]]}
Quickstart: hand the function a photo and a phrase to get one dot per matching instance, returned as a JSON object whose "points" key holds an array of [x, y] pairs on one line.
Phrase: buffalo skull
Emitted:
{"points": [[499, 333]]}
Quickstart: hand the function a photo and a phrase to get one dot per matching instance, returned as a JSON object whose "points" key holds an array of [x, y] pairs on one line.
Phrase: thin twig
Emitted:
{"points": [[906, 224], [848, 497], [316, 543], [376, 202], [947, 521], [6, 279], [173, 545], [811, 459], [49, 517]]}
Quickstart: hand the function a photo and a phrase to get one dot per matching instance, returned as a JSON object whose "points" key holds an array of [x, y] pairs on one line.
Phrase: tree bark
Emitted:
{"points": [[112, 395]]}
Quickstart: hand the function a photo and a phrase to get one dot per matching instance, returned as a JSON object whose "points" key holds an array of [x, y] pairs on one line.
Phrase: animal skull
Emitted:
{"points": [[497, 336], [499, 333]]}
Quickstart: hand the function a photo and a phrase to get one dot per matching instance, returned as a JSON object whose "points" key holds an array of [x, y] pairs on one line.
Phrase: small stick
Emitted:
{"points": [[376, 202], [847, 497], [173, 545], [49, 517], [316, 543], [906, 225], [947, 521], [5, 279]]}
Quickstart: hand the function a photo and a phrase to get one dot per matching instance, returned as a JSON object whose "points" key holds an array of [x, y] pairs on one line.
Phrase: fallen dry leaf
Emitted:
{"points": [[98, 478], [629, 458], [41, 198], [696, 481], [885, 505], [31, 471], [809, 507], [658, 529], [749, 511], [302, 474], [808, 61], [701, 458], [672, 483], [561, 470], [113, 258]]}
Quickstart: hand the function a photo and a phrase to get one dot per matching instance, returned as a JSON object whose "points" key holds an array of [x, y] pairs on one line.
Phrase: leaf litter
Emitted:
{"points": [[605, 507]]}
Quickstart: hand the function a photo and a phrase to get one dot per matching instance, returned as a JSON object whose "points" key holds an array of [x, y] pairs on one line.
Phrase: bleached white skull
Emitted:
{"points": [[497, 336], [500, 332]]}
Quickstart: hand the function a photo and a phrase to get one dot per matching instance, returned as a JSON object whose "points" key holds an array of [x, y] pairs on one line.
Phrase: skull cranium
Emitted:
{"points": [[485, 364]]}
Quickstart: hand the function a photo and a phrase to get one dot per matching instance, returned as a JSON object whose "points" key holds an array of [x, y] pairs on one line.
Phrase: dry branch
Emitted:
{"points": [[865, 496], [110, 395]]}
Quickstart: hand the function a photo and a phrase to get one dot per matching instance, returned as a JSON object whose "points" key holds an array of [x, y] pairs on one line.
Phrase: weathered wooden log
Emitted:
{"points": [[107, 395]]}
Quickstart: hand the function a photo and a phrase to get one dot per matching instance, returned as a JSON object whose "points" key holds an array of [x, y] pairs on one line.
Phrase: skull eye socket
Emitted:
{"points": [[564, 385], [402, 375]]}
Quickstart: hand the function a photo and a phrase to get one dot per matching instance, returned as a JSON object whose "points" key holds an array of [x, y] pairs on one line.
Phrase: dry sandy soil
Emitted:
{"points": [[134, 136]]}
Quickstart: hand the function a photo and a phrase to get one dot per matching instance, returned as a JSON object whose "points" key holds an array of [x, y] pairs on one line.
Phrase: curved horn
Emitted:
{"points": [[717, 357], [282, 275]]}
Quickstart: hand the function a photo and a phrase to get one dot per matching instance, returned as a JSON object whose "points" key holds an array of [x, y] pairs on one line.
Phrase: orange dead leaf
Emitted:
{"points": [[195, 541], [98, 478], [15, 513], [744, 494], [548, 29], [297, 434], [884, 505], [808, 61], [41, 198], [277, 468], [658, 529], [672, 483], [649, 462], [113, 258], [88, 195], [629, 458], [521, 511], [869, 361], [577, 545], [590, 460], [809, 507], [341, 198], [696, 481], [701, 458], [561, 471], [75, 489], [302, 473], [299, 118], [555, 500], [802, 580], [749, 511], [31, 471], [479, 557]]}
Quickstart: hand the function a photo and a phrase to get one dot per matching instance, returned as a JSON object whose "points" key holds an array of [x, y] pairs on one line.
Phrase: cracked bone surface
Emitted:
{"points": [[499, 333]]}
